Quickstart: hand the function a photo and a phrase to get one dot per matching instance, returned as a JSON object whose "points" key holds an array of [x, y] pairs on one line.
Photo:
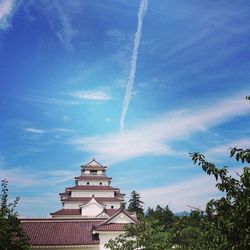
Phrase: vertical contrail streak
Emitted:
{"points": [[141, 12]]}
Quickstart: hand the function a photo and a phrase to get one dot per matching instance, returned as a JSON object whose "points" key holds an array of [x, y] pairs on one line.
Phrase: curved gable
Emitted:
{"points": [[92, 208]]}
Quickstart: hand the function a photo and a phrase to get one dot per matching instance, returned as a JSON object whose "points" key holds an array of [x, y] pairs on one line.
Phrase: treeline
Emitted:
{"points": [[224, 224]]}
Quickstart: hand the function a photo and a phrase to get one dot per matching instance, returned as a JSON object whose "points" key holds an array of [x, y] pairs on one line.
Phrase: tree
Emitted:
{"points": [[164, 216], [226, 222], [223, 225], [135, 204], [146, 235], [12, 236], [187, 231]]}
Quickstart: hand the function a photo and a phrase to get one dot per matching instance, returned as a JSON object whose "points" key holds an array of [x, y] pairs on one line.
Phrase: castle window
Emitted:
{"points": [[87, 183], [93, 172], [112, 207], [100, 183]]}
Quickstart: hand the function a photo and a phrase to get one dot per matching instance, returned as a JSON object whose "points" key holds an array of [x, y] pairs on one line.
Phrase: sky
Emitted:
{"points": [[137, 85]]}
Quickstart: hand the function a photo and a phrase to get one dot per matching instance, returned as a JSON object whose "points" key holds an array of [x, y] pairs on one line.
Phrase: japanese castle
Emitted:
{"points": [[92, 214]]}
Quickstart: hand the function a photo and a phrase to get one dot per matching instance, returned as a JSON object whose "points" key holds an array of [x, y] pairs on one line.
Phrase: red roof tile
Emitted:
{"points": [[110, 211], [90, 187], [56, 233], [92, 177], [76, 212], [94, 165], [67, 212], [110, 227], [130, 215], [101, 199]]}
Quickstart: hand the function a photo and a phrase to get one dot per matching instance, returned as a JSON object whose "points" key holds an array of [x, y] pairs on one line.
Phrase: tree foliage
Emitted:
{"points": [[227, 220], [164, 216], [12, 236], [135, 204], [225, 223], [186, 232], [146, 235]]}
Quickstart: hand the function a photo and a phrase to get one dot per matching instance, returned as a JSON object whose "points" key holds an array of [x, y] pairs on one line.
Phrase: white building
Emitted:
{"points": [[92, 214]]}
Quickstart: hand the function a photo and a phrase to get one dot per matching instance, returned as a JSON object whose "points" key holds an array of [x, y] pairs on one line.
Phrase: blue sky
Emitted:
{"points": [[135, 84]]}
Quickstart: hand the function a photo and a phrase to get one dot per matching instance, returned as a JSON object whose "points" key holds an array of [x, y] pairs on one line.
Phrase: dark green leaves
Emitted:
{"points": [[12, 236]]}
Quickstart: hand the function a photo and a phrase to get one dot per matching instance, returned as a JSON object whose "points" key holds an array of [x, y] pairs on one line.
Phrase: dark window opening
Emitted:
{"points": [[112, 207], [100, 183], [95, 236], [93, 172], [87, 183]]}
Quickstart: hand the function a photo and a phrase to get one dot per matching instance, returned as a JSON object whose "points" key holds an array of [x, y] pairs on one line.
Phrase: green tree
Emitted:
{"points": [[12, 236], [164, 216], [187, 231], [146, 235], [135, 204], [227, 220], [225, 224]]}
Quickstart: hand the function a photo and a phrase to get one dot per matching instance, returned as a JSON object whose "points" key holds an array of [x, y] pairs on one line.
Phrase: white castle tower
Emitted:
{"points": [[92, 196], [92, 214]]}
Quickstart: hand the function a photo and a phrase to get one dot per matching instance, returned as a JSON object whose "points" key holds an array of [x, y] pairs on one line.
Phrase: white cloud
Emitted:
{"points": [[63, 130], [195, 192], [95, 95], [116, 36], [6, 11], [17, 177], [223, 150], [154, 137], [35, 130], [66, 33], [129, 88], [33, 206]]}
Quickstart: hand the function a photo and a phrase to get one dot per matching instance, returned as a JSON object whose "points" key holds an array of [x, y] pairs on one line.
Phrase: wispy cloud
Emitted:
{"points": [[63, 130], [38, 206], [195, 192], [17, 177], [6, 10], [154, 137], [95, 95], [60, 15], [34, 98], [67, 32], [131, 78], [223, 150], [35, 130]]}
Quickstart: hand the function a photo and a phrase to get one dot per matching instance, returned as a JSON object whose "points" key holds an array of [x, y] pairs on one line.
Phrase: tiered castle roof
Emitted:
{"points": [[92, 190], [91, 209]]}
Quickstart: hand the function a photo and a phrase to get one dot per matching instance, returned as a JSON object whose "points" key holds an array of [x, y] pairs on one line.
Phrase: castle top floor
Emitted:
{"points": [[93, 168]]}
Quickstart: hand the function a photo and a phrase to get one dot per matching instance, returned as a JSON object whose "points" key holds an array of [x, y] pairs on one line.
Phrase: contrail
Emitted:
{"points": [[141, 12]]}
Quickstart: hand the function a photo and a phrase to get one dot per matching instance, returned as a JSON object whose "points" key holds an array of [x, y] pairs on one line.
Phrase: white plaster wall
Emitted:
{"points": [[116, 205], [105, 237], [72, 205], [122, 218], [91, 210], [86, 193], [93, 182], [76, 205]]}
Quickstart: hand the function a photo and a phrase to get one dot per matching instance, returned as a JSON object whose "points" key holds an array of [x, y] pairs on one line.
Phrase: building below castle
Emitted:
{"points": [[92, 214]]}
